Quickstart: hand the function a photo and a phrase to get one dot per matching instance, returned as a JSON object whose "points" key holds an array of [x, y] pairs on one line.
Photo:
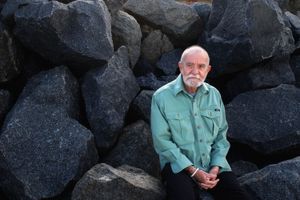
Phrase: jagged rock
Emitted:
{"points": [[124, 183], [295, 65], [142, 105], [150, 82], [135, 148], [126, 31], [154, 45], [9, 61], [77, 34], [242, 167], [43, 148], [5, 103], [165, 14], [264, 75], [114, 5], [168, 62], [295, 25], [108, 92], [143, 67], [240, 34], [266, 120], [283, 4], [203, 10], [274, 182]]}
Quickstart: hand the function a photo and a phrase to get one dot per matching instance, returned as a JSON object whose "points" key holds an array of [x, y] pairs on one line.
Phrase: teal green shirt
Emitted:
{"points": [[189, 130]]}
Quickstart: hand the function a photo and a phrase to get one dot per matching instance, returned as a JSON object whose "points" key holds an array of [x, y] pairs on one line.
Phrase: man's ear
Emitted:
{"points": [[180, 66], [208, 68]]}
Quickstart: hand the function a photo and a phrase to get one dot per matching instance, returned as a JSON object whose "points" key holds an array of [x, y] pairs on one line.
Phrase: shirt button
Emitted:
{"points": [[203, 154], [198, 127], [201, 140], [195, 114]]}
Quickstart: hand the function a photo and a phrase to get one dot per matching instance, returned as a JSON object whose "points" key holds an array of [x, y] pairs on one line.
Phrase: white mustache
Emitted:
{"points": [[191, 76]]}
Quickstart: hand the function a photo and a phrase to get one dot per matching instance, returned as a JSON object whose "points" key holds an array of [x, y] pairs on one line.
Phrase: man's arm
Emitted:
{"points": [[221, 145], [162, 140]]}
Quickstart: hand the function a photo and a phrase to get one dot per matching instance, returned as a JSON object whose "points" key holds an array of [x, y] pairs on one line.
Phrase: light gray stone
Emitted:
{"points": [[126, 31], [124, 183], [177, 20]]}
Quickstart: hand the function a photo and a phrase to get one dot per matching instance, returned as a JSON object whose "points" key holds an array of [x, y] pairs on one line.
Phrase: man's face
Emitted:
{"points": [[194, 69]]}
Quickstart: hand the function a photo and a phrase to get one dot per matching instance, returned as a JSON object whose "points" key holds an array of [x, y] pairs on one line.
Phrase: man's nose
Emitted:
{"points": [[194, 70]]}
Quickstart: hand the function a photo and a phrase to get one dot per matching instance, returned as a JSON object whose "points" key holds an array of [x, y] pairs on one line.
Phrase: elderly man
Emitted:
{"points": [[189, 133]]}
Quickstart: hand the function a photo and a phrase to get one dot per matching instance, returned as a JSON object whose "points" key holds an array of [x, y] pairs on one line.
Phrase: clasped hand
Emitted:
{"points": [[207, 180]]}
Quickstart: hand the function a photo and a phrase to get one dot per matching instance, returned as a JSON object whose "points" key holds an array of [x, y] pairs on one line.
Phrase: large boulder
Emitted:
{"points": [[242, 33], [43, 148], [154, 45], [9, 60], [274, 182], [178, 20], [168, 63], [150, 82], [142, 105], [77, 34], [124, 183], [108, 92], [266, 120], [135, 148], [126, 31], [267, 74]]}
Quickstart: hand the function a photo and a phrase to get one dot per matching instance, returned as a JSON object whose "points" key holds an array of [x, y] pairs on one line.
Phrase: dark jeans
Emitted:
{"points": [[181, 187]]}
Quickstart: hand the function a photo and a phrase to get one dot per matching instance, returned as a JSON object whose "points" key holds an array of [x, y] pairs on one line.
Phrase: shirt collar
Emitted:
{"points": [[179, 86]]}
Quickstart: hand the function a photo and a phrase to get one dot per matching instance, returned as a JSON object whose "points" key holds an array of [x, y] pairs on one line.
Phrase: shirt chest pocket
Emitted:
{"points": [[211, 119], [181, 127]]}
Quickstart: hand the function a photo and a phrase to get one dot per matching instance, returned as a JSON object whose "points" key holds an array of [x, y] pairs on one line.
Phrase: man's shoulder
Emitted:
{"points": [[212, 89], [165, 90]]}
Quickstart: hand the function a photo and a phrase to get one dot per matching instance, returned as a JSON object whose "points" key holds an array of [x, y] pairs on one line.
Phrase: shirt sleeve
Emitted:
{"points": [[162, 140], [221, 145]]}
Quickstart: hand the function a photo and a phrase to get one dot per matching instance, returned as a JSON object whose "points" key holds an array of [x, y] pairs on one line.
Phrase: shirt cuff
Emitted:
{"points": [[180, 164]]}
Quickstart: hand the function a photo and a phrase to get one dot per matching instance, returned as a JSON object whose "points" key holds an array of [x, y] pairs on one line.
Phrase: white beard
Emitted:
{"points": [[191, 82]]}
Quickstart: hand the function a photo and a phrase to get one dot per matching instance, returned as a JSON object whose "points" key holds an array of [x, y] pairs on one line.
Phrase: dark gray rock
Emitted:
{"points": [[135, 148], [150, 82], [168, 62], [295, 25], [142, 105], [114, 5], [42, 147], [108, 92], [274, 182], [242, 167], [77, 34], [266, 120], [240, 34], [11, 6], [154, 45], [295, 65], [267, 74], [143, 67], [165, 15], [5, 103], [9, 60], [126, 31], [283, 4], [124, 183], [203, 10]]}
